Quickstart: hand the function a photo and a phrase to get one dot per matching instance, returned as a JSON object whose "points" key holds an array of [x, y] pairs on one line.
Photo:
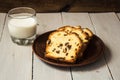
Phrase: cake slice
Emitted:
{"points": [[84, 34], [63, 46]]}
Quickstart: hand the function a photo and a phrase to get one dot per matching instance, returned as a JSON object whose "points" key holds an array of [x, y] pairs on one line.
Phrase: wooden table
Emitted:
{"points": [[18, 62]]}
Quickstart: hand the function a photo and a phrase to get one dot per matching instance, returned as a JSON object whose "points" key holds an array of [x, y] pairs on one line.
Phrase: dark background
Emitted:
{"points": [[63, 5]]}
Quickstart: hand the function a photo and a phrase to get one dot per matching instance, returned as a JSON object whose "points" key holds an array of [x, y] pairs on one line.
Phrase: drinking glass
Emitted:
{"points": [[22, 25]]}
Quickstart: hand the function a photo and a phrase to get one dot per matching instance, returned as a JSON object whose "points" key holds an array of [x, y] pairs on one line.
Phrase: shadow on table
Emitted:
{"points": [[102, 62]]}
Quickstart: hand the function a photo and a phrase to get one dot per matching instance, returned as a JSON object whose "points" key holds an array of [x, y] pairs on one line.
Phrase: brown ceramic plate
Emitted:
{"points": [[92, 53]]}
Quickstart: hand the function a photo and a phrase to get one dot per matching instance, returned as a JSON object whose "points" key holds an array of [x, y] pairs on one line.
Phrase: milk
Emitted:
{"points": [[22, 27]]}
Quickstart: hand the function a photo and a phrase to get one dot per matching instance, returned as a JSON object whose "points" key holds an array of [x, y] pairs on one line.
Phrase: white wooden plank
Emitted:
{"points": [[42, 71], [48, 22], [96, 71], [107, 26], [2, 18], [15, 61]]}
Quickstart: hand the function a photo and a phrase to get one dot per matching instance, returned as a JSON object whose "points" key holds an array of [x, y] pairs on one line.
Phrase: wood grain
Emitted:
{"points": [[107, 26], [38, 5], [41, 70], [95, 6], [93, 70], [63, 5], [15, 61]]}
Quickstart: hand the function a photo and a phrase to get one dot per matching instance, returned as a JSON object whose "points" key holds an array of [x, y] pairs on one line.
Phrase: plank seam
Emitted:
{"points": [[32, 63], [106, 59], [71, 73], [62, 17], [3, 27], [108, 66], [117, 16], [92, 23]]}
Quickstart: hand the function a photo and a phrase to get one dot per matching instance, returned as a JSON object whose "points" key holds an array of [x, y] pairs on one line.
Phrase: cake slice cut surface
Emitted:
{"points": [[63, 46]]}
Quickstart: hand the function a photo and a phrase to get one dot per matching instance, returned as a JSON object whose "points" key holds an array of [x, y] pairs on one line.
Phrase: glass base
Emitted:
{"points": [[23, 41]]}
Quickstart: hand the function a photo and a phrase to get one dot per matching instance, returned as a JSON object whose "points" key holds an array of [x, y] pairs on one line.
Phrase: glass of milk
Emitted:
{"points": [[22, 25]]}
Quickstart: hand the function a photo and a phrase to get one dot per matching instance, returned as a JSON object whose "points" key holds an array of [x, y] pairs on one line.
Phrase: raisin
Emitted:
{"points": [[78, 44], [53, 49], [72, 56], [86, 33], [82, 32], [65, 50], [66, 43], [58, 51], [67, 30], [60, 46], [69, 39], [69, 46], [75, 49], [66, 54], [65, 34]]}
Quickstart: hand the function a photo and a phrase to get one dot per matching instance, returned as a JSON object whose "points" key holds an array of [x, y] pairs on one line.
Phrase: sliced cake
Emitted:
{"points": [[63, 46]]}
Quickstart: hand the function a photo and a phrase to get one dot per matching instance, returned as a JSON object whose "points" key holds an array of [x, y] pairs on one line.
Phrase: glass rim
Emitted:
{"points": [[17, 8]]}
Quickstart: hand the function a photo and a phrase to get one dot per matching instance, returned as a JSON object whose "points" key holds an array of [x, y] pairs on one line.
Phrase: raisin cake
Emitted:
{"points": [[63, 46], [68, 43], [84, 34]]}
